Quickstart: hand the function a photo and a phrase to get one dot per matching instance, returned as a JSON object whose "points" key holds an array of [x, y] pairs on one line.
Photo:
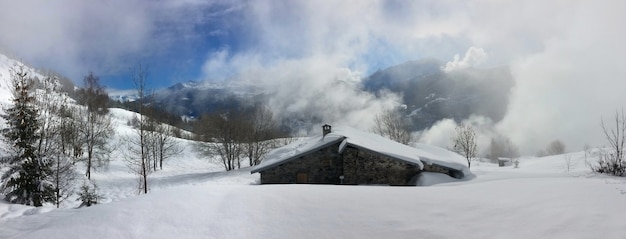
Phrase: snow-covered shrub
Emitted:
{"points": [[89, 194], [610, 162], [568, 162], [133, 122]]}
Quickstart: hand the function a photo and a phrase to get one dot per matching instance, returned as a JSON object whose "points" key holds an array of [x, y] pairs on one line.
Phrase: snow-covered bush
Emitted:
{"points": [[610, 162], [568, 162], [89, 194]]}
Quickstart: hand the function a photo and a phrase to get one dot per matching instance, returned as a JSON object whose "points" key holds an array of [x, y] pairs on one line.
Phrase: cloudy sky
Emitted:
{"points": [[568, 57]]}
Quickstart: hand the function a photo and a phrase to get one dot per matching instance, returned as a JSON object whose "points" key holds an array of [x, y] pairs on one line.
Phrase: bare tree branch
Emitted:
{"points": [[390, 124], [465, 142], [612, 161]]}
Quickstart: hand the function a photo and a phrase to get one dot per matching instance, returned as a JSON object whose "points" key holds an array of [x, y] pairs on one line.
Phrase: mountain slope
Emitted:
{"points": [[432, 94], [429, 93], [7, 64], [195, 98], [539, 200]]}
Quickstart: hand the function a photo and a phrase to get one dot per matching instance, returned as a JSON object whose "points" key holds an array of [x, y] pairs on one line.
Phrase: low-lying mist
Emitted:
{"points": [[567, 58], [317, 91]]}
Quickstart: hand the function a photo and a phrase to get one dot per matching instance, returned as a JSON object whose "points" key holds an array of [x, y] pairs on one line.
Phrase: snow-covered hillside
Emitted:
{"points": [[191, 200], [5, 75]]}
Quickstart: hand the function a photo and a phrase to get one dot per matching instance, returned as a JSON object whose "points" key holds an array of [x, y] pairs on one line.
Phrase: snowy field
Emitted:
{"points": [[192, 198]]}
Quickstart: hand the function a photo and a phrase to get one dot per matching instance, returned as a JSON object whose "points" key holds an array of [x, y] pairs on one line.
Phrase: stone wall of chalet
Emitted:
{"points": [[358, 166], [440, 169], [436, 169], [366, 167], [323, 167]]}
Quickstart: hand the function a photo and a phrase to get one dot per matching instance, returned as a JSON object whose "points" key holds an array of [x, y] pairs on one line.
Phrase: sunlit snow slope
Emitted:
{"points": [[193, 198]]}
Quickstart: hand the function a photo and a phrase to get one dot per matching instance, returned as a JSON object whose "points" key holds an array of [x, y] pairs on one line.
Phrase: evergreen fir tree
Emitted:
{"points": [[26, 181]]}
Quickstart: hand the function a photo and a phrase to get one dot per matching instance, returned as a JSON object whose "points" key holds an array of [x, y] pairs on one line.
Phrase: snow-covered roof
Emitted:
{"points": [[419, 155]]}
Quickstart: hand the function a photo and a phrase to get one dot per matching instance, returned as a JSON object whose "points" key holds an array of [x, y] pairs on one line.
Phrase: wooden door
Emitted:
{"points": [[302, 178]]}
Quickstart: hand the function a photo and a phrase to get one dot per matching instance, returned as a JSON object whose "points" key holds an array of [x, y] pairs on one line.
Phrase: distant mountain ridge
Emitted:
{"points": [[194, 98], [394, 76], [432, 94], [429, 93]]}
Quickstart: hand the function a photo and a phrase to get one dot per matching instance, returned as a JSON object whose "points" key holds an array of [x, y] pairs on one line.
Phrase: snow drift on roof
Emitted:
{"points": [[297, 149], [415, 155]]}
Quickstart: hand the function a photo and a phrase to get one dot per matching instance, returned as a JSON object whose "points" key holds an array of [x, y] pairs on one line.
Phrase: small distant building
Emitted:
{"points": [[348, 156], [503, 162]]}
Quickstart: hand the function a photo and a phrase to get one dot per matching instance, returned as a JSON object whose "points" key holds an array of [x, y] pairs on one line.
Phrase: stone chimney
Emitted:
{"points": [[326, 129]]}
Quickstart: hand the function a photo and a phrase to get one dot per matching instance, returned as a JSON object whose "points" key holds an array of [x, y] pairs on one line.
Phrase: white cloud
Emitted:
{"points": [[216, 63], [316, 89], [74, 37], [443, 132], [440, 134], [313, 55], [563, 91], [567, 57], [473, 57], [567, 61]]}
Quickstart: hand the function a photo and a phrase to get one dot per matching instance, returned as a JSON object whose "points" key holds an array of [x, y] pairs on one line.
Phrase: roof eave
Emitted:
{"points": [[296, 156], [388, 155]]}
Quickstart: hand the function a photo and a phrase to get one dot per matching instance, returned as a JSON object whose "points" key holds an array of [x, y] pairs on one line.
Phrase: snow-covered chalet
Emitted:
{"points": [[349, 156]]}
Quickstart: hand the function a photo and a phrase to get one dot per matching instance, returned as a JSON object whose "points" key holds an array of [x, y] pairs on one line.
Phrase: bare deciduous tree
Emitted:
{"points": [[587, 149], [51, 102], [568, 162], [95, 127], [612, 159], [555, 147], [502, 146], [262, 128], [160, 145], [46, 100], [138, 160], [63, 167], [93, 95], [54, 129], [95, 130], [166, 145], [223, 136], [70, 132], [390, 124], [150, 140], [465, 142]]}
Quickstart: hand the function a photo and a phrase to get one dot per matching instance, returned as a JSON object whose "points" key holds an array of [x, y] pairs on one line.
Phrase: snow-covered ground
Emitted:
{"points": [[225, 205], [193, 198]]}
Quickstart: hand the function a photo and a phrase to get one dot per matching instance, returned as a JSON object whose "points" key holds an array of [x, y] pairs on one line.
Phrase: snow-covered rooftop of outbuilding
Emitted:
{"points": [[419, 155]]}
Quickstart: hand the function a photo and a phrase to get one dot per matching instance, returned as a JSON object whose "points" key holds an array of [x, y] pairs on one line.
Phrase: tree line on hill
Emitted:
{"points": [[610, 160], [232, 135], [47, 135]]}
